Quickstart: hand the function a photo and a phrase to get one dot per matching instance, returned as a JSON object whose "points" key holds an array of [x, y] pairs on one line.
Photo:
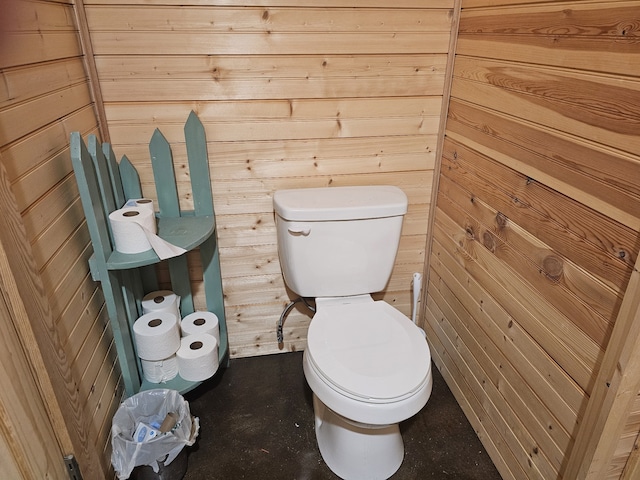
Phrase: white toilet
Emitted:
{"points": [[368, 365]]}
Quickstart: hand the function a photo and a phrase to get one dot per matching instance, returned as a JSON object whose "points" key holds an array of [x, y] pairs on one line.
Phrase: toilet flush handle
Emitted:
{"points": [[299, 229]]}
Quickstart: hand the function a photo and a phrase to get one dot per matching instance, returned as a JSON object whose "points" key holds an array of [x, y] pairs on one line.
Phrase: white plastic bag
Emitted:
{"points": [[149, 407]]}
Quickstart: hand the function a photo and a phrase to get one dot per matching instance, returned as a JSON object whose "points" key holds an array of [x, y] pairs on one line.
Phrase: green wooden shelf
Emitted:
{"points": [[187, 232], [105, 185]]}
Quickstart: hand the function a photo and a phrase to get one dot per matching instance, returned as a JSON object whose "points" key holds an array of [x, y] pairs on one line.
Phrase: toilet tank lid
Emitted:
{"points": [[340, 203]]}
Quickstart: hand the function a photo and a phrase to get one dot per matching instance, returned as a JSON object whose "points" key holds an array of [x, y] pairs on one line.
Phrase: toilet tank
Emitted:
{"points": [[338, 241]]}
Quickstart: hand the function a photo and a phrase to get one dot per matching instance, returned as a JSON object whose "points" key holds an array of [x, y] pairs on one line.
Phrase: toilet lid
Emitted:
{"points": [[369, 351]]}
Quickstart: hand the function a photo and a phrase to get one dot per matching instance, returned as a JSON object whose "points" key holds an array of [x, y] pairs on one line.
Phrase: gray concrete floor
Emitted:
{"points": [[256, 422]]}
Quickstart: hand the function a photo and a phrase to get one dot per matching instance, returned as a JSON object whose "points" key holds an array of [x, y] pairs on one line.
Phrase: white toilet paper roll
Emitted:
{"points": [[142, 203], [128, 226], [161, 301], [134, 231], [157, 335], [198, 357], [201, 322], [160, 371]]}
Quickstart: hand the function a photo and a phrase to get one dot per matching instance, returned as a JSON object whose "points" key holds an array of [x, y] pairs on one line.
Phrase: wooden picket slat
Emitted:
{"points": [[97, 221], [169, 206], [198, 170], [130, 179], [114, 175]]}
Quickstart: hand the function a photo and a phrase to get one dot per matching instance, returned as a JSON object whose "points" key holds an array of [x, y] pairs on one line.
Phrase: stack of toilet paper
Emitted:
{"points": [[169, 345]]}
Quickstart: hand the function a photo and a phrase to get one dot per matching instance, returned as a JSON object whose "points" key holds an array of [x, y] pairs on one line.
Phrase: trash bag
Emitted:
{"points": [[151, 426]]}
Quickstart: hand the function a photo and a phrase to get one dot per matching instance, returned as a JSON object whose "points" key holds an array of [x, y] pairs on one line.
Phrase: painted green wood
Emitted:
{"points": [[198, 169], [103, 177], [149, 278], [130, 179], [132, 294], [95, 271], [97, 223], [104, 187], [114, 175], [169, 206], [203, 204], [181, 283], [212, 285], [164, 175], [186, 232], [130, 279]]}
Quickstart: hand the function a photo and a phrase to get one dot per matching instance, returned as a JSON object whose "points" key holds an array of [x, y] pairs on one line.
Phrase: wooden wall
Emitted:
{"points": [[292, 94], [530, 309], [56, 308]]}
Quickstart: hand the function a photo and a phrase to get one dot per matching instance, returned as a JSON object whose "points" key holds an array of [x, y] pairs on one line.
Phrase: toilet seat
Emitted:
{"points": [[368, 351]]}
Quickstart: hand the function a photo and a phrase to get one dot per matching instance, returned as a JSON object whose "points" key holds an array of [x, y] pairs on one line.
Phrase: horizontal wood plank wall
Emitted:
{"points": [[44, 95], [536, 225], [292, 94]]}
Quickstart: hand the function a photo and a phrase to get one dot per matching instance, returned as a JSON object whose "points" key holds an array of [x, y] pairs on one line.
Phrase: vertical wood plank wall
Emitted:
{"points": [[537, 221], [44, 95], [292, 94]]}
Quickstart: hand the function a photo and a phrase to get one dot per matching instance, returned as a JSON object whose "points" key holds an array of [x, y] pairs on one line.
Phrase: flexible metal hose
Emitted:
{"points": [[285, 312]]}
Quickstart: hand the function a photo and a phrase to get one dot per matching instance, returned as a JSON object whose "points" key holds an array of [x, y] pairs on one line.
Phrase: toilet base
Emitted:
{"points": [[357, 452]]}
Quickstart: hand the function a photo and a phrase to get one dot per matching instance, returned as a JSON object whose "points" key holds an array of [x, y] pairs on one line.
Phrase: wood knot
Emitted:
{"points": [[552, 266], [470, 233], [501, 220], [489, 241]]}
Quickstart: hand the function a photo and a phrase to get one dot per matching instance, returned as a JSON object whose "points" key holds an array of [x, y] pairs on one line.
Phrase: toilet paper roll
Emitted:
{"points": [[201, 322], [161, 301], [134, 231], [157, 335], [160, 371], [198, 357], [128, 225], [141, 203]]}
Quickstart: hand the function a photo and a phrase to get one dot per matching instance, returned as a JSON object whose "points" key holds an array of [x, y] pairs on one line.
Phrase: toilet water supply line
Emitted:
{"points": [[417, 288], [286, 310]]}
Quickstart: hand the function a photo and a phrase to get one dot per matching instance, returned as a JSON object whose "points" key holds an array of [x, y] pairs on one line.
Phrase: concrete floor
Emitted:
{"points": [[256, 422]]}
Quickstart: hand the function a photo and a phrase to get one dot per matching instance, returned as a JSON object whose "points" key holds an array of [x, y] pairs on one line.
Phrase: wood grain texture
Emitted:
{"points": [[45, 95], [615, 391], [538, 215], [596, 176], [30, 448], [32, 318], [285, 3], [617, 19], [271, 19], [574, 231]]}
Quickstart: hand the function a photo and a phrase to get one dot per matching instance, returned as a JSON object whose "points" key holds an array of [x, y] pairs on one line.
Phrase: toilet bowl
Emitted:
{"points": [[369, 368]]}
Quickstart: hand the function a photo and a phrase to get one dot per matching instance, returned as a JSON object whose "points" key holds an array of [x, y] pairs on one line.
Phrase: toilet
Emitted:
{"points": [[368, 365]]}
